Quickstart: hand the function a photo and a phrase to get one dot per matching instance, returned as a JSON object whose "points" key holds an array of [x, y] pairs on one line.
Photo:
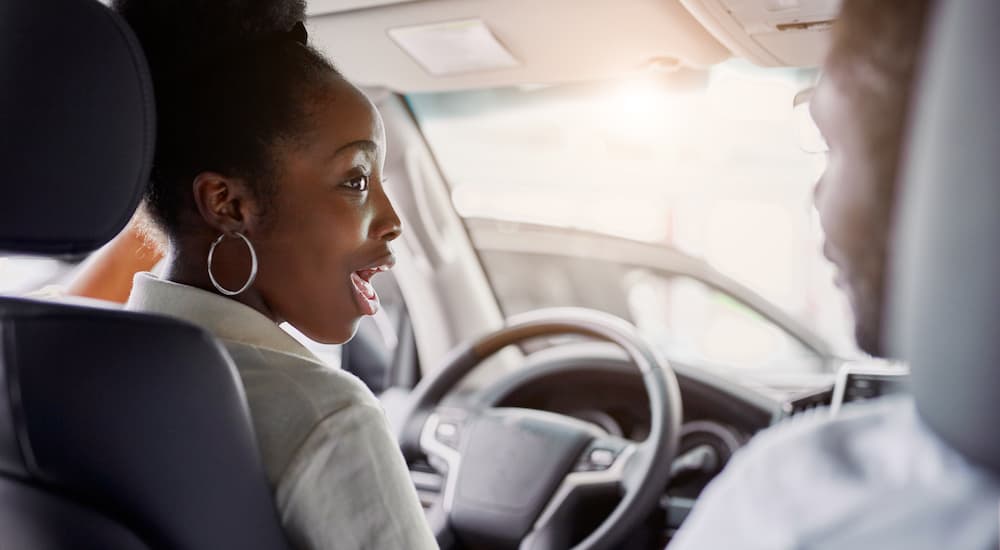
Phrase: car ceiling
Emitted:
{"points": [[564, 41], [554, 41]]}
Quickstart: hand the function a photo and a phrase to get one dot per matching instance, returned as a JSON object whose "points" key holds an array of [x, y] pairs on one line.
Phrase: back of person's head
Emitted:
{"points": [[861, 107], [232, 79], [874, 52]]}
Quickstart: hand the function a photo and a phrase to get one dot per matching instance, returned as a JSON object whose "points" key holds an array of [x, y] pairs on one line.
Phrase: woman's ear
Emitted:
{"points": [[226, 204]]}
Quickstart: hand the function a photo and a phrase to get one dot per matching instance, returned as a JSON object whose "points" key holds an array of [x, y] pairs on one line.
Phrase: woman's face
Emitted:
{"points": [[327, 231]]}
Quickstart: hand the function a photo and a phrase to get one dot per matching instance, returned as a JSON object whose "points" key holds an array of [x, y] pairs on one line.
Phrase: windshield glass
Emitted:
{"points": [[707, 167]]}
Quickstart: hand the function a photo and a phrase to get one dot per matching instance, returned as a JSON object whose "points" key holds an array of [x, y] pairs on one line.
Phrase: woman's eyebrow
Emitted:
{"points": [[365, 145]]}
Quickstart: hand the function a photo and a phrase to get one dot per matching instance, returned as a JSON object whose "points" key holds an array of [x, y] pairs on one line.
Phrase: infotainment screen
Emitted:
{"points": [[865, 380]]}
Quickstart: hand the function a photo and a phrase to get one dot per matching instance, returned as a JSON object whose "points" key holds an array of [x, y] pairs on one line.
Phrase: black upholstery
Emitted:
{"points": [[76, 125], [140, 419], [38, 520], [945, 306], [118, 430]]}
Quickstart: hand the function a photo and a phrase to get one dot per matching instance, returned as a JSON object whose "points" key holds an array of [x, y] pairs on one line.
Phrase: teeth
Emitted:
{"points": [[366, 289], [374, 270], [367, 273]]}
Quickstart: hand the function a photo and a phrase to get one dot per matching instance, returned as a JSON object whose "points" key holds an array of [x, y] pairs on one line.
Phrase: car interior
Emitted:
{"points": [[553, 384]]}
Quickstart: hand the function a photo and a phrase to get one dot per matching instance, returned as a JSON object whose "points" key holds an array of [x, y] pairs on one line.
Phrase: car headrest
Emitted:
{"points": [[76, 125], [944, 309]]}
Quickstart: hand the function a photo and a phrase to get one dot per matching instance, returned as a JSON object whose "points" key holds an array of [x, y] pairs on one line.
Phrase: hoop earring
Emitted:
{"points": [[253, 266]]}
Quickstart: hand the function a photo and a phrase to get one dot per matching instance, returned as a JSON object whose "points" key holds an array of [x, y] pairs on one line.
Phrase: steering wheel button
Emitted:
{"points": [[602, 458], [447, 433], [447, 430]]}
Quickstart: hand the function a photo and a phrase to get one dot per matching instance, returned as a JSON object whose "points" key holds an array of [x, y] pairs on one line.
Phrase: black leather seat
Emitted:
{"points": [[117, 430], [945, 308]]}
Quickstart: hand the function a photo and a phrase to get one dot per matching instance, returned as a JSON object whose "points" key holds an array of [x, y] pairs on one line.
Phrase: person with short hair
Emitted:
{"points": [[874, 476]]}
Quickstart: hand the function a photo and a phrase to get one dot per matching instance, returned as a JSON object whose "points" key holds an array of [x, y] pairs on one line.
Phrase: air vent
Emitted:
{"points": [[806, 403]]}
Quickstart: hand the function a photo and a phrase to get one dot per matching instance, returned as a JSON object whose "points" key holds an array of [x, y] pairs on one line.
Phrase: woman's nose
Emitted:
{"points": [[386, 225]]}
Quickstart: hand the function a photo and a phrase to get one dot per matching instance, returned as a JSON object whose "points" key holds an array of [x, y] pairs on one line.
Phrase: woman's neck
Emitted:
{"points": [[192, 270]]}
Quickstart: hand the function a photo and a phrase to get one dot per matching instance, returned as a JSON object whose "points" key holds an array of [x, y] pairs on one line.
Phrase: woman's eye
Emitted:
{"points": [[359, 183]]}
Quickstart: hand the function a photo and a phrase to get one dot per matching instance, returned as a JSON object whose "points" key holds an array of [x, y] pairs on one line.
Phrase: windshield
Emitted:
{"points": [[705, 165]]}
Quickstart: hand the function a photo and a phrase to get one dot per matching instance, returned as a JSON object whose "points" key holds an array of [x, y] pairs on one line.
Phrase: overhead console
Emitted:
{"points": [[322, 7], [770, 33]]}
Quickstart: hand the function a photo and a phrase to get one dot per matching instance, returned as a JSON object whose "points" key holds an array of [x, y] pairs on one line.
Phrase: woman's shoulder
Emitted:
{"points": [[323, 386], [289, 396]]}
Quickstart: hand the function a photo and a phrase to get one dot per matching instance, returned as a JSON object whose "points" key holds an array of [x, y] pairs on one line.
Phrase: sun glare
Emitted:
{"points": [[640, 108]]}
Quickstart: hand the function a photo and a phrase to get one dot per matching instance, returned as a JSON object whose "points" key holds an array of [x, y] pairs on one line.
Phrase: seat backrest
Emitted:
{"points": [[117, 430], [139, 421], [945, 302]]}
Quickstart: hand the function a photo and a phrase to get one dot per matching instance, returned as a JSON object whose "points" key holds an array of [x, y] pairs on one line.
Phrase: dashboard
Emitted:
{"points": [[596, 383]]}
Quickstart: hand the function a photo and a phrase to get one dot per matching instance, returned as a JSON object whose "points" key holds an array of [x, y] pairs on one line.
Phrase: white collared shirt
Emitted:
{"points": [[873, 477], [339, 478]]}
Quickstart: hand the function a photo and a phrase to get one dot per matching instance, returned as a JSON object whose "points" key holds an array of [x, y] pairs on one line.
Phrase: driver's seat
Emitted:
{"points": [[945, 308], [117, 430]]}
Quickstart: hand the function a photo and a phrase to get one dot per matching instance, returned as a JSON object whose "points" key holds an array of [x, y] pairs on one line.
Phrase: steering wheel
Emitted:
{"points": [[511, 475]]}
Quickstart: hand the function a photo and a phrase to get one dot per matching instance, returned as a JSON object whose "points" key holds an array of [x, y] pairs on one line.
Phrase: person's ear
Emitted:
{"points": [[226, 204]]}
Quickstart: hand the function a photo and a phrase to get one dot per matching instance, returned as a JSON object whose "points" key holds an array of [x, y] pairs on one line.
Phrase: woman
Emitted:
{"points": [[267, 183]]}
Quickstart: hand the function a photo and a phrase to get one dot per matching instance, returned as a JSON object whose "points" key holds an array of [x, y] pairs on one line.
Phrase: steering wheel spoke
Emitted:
{"points": [[441, 437], [440, 441], [635, 467], [604, 465]]}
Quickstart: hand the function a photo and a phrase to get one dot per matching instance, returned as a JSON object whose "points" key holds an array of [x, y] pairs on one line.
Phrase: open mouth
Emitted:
{"points": [[364, 292]]}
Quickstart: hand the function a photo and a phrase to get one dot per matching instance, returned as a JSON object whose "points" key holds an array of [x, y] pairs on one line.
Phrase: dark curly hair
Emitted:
{"points": [[232, 82]]}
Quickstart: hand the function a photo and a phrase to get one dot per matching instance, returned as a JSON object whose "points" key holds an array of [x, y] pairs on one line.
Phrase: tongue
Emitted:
{"points": [[365, 296]]}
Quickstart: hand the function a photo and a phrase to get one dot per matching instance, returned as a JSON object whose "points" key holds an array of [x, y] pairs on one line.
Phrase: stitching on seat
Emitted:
{"points": [[17, 401]]}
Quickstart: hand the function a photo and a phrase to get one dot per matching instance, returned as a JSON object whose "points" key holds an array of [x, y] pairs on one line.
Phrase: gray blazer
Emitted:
{"points": [[339, 478]]}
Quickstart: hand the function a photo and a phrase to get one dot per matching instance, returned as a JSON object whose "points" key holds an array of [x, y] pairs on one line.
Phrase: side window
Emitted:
{"points": [[24, 274]]}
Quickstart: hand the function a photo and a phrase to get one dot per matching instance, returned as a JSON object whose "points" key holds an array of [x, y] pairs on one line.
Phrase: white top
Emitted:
{"points": [[339, 479], [872, 477]]}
